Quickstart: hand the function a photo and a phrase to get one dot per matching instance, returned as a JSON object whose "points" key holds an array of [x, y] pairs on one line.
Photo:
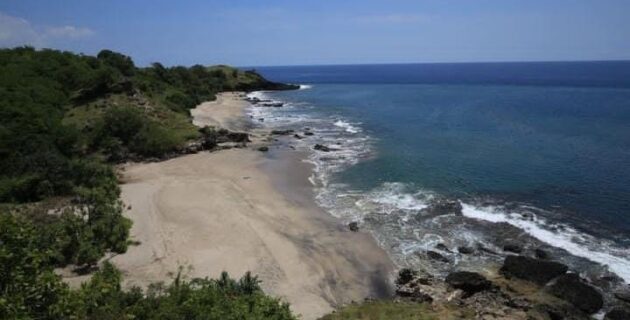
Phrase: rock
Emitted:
{"points": [[436, 256], [263, 149], [571, 288], [465, 250], [469, 282], [541, 254], [272, 104], [618, 313], [308, 133], [405, 275], [416, 294], [321, 147], [556, 312], [353, 226], [297, 136], [281, 132], [443, 207], [512, 247], [531, 269], [443, 247], [623, 294]]}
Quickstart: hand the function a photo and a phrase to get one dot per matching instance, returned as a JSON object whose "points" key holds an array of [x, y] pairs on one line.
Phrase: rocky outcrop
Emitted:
{"points": [[573, 289], [531, 269], [469, 282], [442, 207]]}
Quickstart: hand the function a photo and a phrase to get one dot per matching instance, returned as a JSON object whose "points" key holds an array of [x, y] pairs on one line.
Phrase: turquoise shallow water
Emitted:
{"points": [[554, 138]]}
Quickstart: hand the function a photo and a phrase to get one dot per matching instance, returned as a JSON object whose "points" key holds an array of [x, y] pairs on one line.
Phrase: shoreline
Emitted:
{"points": [[241, 210]]}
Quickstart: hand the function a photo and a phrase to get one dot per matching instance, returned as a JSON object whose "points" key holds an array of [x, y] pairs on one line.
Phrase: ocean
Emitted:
{"points": [[537, 153]]}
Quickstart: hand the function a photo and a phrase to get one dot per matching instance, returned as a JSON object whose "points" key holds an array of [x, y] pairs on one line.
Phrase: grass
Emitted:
{"points": [[394, 310]]}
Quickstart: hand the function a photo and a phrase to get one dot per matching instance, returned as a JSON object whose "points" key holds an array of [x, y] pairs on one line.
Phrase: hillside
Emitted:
{"points": [[65, 119]]}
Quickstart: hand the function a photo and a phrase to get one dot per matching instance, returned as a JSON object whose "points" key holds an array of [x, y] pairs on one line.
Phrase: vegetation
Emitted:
{"points": [[398, 310], [64, 119]]}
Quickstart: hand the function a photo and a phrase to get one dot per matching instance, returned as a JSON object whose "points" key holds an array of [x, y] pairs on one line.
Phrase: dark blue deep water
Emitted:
{"points": [[555, 136]]}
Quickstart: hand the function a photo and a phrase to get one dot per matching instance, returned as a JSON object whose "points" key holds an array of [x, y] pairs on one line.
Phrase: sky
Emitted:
{"points": [[283, 32]]}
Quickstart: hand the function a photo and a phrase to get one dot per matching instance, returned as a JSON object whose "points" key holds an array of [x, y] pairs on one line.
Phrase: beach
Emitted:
{"points": [[243, 210]]}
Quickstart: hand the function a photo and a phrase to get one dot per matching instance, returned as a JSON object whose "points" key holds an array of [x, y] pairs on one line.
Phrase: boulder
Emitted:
{"points": [[353, 226], [297, 136], [512, 247], [469, 282], [263, 149], [623, 294], [465, 250], [405, 275], [308, 133], [531, 269], [571, 288], [321, 147], [436, 256], [618, 313], [541, 254], [442, 246]]}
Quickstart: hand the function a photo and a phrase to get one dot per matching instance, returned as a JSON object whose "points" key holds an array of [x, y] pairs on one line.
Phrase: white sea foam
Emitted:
{"points": [[567, 238], [305, 86], [347, 126]]}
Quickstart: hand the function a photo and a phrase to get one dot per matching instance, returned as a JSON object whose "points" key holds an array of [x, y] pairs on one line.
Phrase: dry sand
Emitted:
{"points": [[239, 210]]}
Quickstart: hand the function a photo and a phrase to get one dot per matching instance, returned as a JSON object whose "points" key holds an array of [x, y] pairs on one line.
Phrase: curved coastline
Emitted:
{"points": [[239, 210]]}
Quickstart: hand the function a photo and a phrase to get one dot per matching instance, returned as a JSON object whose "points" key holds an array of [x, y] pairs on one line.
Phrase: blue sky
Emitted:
{"points": [[279, 32]]}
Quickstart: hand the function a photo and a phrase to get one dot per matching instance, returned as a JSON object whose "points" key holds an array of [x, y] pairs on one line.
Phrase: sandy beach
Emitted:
{"points": [[242, 210]]}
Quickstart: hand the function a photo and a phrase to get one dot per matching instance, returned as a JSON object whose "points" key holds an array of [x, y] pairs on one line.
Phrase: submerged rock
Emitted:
{"points": [[443, 207], [321, 147], [531, 269], [436, 256], [469, 282], [512, 247], [465, 250], [571, 288], [281, 132], [618, 313]]}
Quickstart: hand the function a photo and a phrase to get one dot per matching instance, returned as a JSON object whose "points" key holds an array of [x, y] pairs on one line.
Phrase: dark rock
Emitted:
{"points": [[512, 247], [571, 288], [281, 132], [531, 269], [542, 254], [263, 149], [405, 275], [321, 147], [297, 136], [443, 247], [443, 207], [308, 133], [469, 282], [353, 226], [415, 294], [557, 312], [465, 250], [618, 313], [272, 104], [623, 294], [436, 256]]}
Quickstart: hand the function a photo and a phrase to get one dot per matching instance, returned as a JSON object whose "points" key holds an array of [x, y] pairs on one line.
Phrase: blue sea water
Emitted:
{"points": [[502, 138]]}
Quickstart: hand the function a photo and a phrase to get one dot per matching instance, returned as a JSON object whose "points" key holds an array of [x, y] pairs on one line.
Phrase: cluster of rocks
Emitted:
{"points": [[554, 292], [264, 102]]}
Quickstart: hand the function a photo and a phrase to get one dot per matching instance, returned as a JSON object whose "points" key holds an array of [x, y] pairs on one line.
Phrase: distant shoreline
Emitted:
{"points": [[238, 210]]}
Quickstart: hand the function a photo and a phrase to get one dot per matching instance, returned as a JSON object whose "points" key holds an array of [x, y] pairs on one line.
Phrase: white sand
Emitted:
{"points": [[223, 211]]}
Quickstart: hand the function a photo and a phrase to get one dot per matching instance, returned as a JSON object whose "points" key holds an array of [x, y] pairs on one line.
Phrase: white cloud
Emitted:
{"points": [[71, 32], [15, 31]]}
